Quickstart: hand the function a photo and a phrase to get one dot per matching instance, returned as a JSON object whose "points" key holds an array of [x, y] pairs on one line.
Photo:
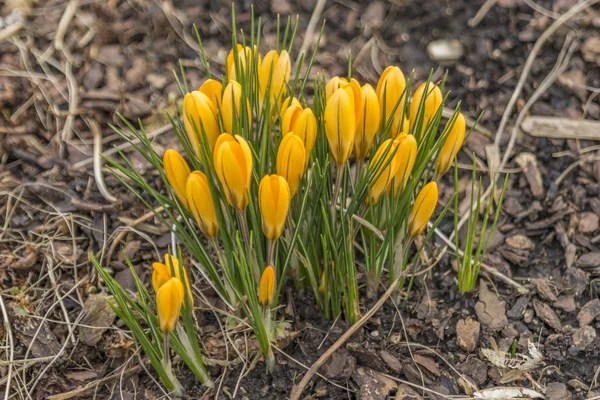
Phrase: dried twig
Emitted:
{"points": [[125, 145], [11, 347], [310, 29], [98, 161], [482, 12], [122, 234]]}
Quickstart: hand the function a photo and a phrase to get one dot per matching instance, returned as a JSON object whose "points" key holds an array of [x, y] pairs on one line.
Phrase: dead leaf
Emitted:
{"points": [[99, 317]]}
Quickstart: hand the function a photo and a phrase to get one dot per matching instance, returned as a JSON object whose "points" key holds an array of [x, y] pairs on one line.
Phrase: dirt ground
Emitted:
{"points": [[71, 66]]}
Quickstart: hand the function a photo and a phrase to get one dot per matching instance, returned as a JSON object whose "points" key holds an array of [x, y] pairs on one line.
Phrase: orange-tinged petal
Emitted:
{"points": [[177, 171], [405, 161], [288, 102], [245, 57], [213, 89], [201, 203], [332, 85], [274, 73], [340, 125], [423, 209], [452, 145], [291, 161], [231, 110], [383, 167], [368, 122], [233, 165], [169, 300], [199, 118], [274, 202], [267, 286], [160, 275], [433, 101], [172, 264], [390, 92]]}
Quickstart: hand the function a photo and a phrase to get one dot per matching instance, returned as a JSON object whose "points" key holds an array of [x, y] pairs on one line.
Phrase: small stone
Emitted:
{"points": [[520, 242], [584, 336], [445, 51], [557, 391], [588, 222], [157, 81], [372, 384], [375, 334], [590, 49], [467, 333], [588, 312], [565, 303], [490, 309], [341, 365], [528, 316]]}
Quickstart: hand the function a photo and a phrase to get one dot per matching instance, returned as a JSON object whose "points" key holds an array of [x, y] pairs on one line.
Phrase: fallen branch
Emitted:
{"points": [[561, 128]]}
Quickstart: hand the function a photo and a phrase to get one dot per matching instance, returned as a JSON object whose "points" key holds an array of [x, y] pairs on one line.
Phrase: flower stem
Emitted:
{"points": [[336, 188]]}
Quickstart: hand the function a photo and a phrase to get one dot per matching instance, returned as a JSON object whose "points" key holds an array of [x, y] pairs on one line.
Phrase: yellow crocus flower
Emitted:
{"points": [[169, 300], [200, 203], [453, 143], [177, 172], [423, 208], [274, 202], [291, 161], [233, 165], [266, 288]]}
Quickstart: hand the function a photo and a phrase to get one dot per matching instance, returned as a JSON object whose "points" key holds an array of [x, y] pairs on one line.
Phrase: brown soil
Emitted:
{"points": [[122, 55]]}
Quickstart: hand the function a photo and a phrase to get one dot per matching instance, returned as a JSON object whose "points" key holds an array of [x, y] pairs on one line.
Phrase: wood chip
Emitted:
{"points": [[547, 314], [528, 164], [561, 128]]}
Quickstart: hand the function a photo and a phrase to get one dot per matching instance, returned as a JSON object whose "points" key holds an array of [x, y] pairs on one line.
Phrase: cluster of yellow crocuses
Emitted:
{"points": [[353, 116]]}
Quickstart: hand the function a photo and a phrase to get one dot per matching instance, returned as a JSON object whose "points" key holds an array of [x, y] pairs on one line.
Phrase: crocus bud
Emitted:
{"points": [[452, 145], [199, 118], [383, 167], [213, 89], [177, 171], [169, 299], [231, 110], [332, 85], [390, 91], [303, 123], [200, 203], [291, 161], [288, 102], [423, 209], [245, 57], [161, 273], [267, 286], [340, 124], [432, 103], [274, 74], [368, 122], [274, 202], [233, 164], [405, 161]]}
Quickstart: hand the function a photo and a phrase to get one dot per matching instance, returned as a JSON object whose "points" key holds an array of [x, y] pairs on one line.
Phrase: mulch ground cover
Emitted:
{"points": [[73, 65]]}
